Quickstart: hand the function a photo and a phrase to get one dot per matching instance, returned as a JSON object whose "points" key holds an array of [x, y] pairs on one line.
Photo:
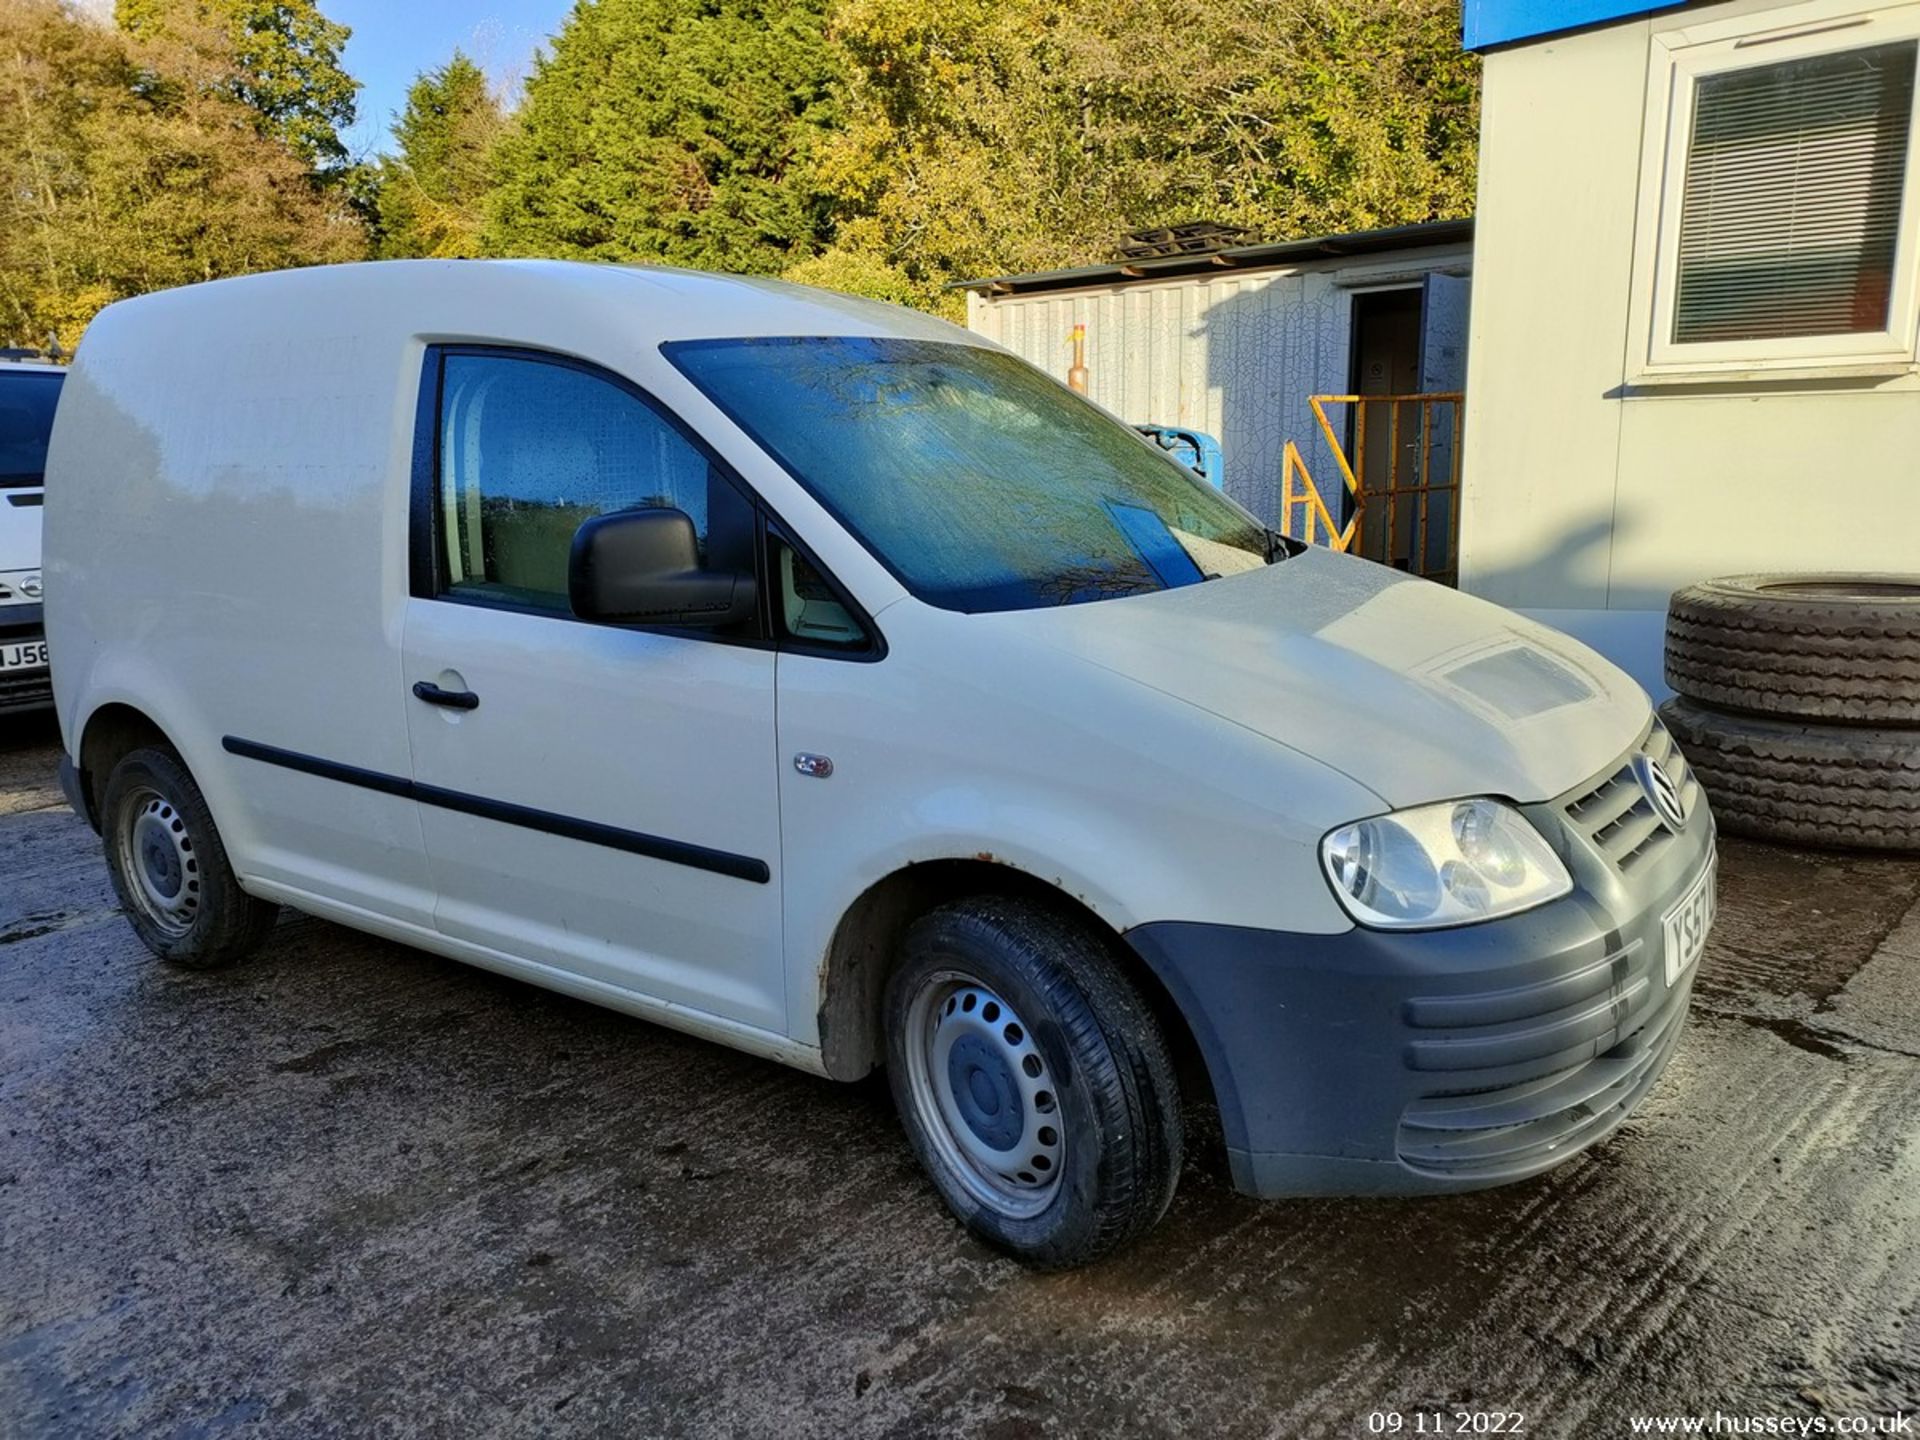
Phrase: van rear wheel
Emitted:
{"points": [[1033, 1081], [170, 868]]}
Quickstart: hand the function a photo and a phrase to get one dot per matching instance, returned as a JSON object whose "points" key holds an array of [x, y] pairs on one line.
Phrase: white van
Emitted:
{"points": [[813, 676], [29, 392]]}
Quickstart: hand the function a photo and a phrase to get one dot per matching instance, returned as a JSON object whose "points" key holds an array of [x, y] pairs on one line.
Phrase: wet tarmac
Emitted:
{"points": [[352, 1189]]}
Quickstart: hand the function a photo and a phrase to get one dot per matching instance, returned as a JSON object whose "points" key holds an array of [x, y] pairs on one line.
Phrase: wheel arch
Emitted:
{"points": [[866, 945], [111, 732]]}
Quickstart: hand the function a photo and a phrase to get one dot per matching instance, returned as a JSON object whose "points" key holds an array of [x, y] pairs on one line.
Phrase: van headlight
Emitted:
{"points": [[1449, 864]]}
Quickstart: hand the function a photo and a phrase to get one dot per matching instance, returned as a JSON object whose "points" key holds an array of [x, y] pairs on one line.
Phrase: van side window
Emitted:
{"points": [[530, 448], [808, 610]]}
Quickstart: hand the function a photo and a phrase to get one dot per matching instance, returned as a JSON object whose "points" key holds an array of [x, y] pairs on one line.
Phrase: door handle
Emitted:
{"points": [[453, 699]]}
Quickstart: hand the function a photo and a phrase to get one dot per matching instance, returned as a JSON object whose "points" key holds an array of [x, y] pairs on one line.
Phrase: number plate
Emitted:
{"points": [[1687, 925], [26, 655]]}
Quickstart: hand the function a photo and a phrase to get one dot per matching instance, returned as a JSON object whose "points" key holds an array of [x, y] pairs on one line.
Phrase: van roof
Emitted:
{"points": [[669, 302]]}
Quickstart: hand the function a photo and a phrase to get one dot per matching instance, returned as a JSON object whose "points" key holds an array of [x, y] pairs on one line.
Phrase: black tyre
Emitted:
{"points": [[1033, 1081], [1841, 786], [170, 869], [1841, 649]]}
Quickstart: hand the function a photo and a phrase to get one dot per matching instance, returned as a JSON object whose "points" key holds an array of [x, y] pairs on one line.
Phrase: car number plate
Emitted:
{"points": [[28, 655], [1687, 924]]}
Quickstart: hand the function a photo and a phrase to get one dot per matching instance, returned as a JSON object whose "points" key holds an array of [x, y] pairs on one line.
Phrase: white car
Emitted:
{"points": [[29, 392], [813, 676]]}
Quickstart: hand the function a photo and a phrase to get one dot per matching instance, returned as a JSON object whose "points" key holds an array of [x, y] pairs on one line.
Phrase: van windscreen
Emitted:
{"points": [[978, 481], [26, 420]]}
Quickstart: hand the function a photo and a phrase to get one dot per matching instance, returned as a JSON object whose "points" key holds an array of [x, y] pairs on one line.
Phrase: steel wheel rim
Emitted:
{"points": [[157, 858], [984, 1095]]}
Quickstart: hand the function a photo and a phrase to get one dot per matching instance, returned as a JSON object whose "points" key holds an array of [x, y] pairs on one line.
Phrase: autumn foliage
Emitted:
{"points": [[886, 147], [134, 162]]}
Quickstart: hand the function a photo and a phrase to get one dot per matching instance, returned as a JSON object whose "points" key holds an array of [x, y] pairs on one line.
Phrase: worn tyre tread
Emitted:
{"points": [[1079, 984], [1736, 644], [1877, 684], [1839, 786]]}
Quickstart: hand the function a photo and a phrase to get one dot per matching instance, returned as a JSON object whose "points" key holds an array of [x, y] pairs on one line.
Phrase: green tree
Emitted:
{"points": [[986, 136], [431, 197], [286, 68], [672, 130], [128, 164]]}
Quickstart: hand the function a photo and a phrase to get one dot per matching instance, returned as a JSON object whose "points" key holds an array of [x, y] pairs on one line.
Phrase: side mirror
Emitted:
{"points": [[643, 566]]}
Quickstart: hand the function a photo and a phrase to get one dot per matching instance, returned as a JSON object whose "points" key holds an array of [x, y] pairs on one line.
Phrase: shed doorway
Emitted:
{"points": [[1407, 366]]}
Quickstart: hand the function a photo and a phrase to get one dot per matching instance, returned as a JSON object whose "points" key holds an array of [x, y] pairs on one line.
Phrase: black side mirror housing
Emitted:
{"points": [[643, 567]]}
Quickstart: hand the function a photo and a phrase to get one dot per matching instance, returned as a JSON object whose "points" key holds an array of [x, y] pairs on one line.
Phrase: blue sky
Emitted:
{"points": [[394, 40]]}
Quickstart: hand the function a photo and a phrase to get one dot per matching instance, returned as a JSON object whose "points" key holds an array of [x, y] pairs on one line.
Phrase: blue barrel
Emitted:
{"points": [[1195, 449]]}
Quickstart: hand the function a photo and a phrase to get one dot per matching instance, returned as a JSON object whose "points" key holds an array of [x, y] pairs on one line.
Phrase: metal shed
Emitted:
{"points": [[1236, 342]]}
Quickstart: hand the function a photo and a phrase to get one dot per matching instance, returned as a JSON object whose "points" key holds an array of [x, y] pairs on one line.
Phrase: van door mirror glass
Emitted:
{"points": [[643, 567]]}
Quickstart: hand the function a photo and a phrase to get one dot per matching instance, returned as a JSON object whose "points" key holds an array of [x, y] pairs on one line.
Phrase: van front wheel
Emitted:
{"points": [[170, 869], [1033, 1082]]}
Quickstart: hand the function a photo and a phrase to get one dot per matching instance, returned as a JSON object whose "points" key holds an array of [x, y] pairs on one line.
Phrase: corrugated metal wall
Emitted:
{"points": [[1235, 356]]}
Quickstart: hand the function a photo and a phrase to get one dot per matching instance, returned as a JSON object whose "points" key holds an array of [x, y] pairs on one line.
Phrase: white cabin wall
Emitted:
{"points": [[1586, 499]]}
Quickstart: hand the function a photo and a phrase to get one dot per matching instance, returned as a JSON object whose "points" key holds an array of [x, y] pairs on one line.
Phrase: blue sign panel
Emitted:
{"points": [[1499, 22]]}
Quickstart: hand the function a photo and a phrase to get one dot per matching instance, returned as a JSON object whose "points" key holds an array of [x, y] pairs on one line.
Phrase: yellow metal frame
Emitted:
{"points": [[1297, 487]]}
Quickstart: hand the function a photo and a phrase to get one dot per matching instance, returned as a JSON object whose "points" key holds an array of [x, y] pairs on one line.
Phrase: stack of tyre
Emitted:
{"points": [[1798, 705]]}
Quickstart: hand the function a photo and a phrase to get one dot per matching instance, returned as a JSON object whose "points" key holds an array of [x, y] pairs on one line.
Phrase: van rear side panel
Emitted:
{"points": [[226, 553]]}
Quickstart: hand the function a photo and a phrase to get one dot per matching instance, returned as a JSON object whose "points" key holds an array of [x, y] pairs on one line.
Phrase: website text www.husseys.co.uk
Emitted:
{"points": [[1721, 1423]]}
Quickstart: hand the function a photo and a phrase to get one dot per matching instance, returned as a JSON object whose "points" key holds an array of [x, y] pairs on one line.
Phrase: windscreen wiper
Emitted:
{"points": [[1282, 547]]}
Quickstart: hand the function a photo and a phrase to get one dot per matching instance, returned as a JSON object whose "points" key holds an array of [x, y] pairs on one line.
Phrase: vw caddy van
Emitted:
{"points": [[813, 676]]}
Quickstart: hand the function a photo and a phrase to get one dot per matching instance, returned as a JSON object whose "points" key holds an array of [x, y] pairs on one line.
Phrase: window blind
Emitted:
{"points": [[1790, 214]]}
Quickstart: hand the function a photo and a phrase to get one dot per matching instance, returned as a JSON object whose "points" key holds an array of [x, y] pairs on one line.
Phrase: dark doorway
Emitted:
{"points": [[1385, 361], [1403, 426], [1386, 342]]}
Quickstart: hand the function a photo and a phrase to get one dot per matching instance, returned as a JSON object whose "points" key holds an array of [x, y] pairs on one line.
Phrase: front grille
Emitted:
{"points": [[1615, 814], [1508, 1130], [19, 691]]}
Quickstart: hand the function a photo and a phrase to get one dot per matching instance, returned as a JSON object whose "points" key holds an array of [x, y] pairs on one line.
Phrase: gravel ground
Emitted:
{"points": [[353, 1189]]}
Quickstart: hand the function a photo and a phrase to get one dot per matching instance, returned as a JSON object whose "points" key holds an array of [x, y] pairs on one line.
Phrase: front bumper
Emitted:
{"points": [[23, 689], [1373, 1062], [73, 785]]}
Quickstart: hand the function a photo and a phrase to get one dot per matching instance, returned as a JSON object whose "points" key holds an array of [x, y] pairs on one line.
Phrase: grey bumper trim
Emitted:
{"points": [[1324, 1050], [73, 785]]}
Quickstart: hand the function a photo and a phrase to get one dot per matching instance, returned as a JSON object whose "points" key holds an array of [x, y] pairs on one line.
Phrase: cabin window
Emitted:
{"points": [[1783, 233], [530, 448]]}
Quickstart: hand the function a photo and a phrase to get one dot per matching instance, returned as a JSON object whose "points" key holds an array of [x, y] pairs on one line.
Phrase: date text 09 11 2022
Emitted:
{"points": [[1446, 1422]]}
